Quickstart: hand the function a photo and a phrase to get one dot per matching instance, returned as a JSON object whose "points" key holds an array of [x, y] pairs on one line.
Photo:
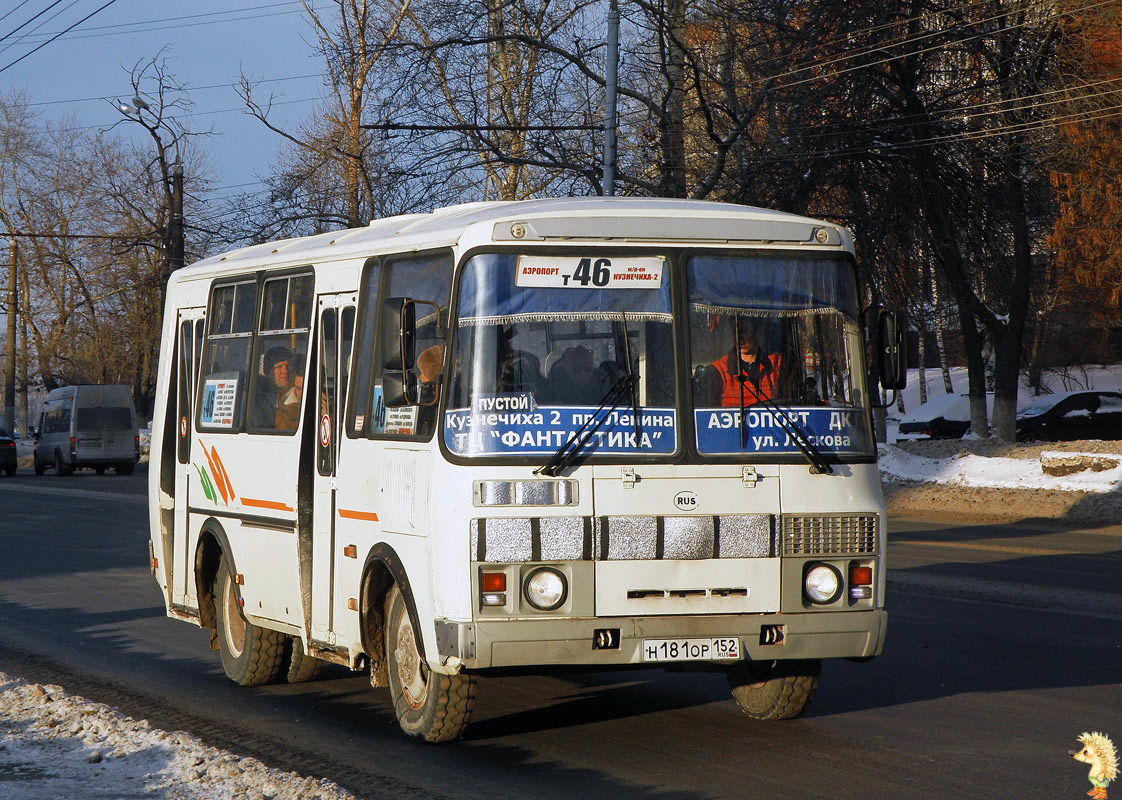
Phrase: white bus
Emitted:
{"points": [[572, 432]]}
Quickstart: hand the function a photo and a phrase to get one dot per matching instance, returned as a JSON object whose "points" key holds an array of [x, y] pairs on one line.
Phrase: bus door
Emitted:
{"points": [[189, 340], [336, 317]]}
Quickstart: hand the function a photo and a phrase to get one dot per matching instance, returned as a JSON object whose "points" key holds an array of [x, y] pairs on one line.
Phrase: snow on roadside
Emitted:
{"points": [[59, 746], [967, 469]]}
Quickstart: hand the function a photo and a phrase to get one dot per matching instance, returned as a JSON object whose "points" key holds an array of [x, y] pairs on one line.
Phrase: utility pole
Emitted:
{"points": [[10, 363], [175, 219], [24, 313], [611, 79]]}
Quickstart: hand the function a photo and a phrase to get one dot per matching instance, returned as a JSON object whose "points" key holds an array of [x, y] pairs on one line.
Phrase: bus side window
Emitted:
{"points": [[225, 363], [281, 353]]}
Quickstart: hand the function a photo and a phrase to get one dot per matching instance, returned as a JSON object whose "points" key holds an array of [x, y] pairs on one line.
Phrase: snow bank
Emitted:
{"points": [[966, 469], [55, 745]]}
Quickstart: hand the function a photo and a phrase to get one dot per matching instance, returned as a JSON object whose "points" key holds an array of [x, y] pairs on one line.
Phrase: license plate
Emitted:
{"points": [[691, 649]]}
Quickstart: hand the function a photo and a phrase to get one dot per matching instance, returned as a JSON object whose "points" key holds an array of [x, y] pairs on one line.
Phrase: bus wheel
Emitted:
{"points": [[296, 667], [99, 470], [774, 689], [61, 467], [124, 469], [251, 655], [37, 464], [429, 705]]}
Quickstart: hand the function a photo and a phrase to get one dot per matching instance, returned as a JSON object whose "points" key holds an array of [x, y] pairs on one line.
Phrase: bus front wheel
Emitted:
{"points": [[429, 705], [251, 655], [774, 689]]}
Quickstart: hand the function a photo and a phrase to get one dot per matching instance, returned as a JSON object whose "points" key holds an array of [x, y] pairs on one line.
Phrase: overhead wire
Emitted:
{"points": [[72, 27]]}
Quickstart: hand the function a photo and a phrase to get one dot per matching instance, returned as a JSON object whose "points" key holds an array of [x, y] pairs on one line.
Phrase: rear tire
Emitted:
{"points": [[429, 705], [10, 471], [61, 467], [251, 655], [125, 469], [296, 667], [99, 470], [769, 690]]}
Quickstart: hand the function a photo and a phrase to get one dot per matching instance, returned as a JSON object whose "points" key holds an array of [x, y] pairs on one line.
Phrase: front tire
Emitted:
{"points": [[429, 705], [37, 464], [768, 690], [251, 655]]}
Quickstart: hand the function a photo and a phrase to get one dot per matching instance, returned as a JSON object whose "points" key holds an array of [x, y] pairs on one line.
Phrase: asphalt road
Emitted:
{"points": [[1004, 645]]}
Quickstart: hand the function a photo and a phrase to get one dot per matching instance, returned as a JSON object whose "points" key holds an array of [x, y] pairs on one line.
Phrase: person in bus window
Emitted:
{"points": [[271, 386], [428, 364], [746, 364], [288, 402], [575, 380]]}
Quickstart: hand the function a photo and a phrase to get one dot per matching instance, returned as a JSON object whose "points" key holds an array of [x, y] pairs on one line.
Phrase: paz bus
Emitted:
{"points": [[547, 434]]}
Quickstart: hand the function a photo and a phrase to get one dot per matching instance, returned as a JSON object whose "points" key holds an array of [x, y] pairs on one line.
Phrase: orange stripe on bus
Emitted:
{"points": [[347, 513], [272, 504], [217, 476], [223, 476]]}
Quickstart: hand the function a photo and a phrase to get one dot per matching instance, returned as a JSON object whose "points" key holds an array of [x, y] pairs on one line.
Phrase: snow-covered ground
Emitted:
{"points": [[60, 747]]}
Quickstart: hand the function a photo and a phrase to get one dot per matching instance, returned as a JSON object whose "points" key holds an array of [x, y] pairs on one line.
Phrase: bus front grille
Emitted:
{"points": [[829, 534], [611, 538]]}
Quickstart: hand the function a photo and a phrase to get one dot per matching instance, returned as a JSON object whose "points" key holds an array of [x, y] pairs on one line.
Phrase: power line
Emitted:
{"points": [[72, 27], [28, 22]]}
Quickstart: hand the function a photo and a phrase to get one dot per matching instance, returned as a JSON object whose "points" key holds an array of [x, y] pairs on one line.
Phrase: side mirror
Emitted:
{"points": [[892, 354], [399, 389], [398, 333]]}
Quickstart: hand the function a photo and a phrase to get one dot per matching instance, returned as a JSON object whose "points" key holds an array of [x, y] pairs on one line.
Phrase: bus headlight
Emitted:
{"points": [[822, 584], [545, 589]]}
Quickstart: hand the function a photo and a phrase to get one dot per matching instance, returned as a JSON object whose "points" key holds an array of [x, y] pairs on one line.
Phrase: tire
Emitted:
{"points": [[774, 690], [251, 655], [296, 667], [10, 471], [37, 464], [429, 705], [99, 470], [61, 467], [125, 469]]}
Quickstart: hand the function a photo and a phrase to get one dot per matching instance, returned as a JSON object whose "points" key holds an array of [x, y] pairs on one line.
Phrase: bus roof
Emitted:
{"points": [[557, 219]]}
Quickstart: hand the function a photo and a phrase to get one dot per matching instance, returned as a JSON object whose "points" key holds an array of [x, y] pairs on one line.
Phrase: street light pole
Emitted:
{"points": [[10, 372], [172, 179], [611, 78], [175, 219]]}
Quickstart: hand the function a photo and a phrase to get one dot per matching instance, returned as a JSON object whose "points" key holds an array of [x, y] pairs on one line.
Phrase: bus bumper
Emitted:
{"points": [[611, 641]]}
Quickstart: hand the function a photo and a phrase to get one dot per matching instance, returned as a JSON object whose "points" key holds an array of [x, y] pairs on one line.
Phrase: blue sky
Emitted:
{"points": [[207, 43]]}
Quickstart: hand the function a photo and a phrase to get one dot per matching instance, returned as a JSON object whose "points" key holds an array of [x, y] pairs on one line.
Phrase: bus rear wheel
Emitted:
{"points": [[296, 667], [61, 467], [769, 690], [429, 705], [251, 655]]}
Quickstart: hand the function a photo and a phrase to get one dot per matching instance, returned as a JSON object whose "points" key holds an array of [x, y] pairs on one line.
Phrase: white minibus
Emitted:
{"points": [[88, 425], [589, 432]]}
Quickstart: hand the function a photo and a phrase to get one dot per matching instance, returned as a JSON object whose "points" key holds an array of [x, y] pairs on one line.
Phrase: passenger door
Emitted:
{"points": [[189, 337], [336, 320]]}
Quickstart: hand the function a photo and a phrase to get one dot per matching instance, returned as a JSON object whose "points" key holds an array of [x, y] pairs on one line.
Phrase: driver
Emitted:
{"points": [[746, 364]]}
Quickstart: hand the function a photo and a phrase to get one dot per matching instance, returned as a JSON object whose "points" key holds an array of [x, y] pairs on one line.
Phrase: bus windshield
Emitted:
{"points": [[542, 341], [771, 335]]}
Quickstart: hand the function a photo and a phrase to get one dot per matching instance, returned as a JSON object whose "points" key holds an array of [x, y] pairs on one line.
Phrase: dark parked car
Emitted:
{"points": [[7, 454], [944, 417], [1071, 416]]}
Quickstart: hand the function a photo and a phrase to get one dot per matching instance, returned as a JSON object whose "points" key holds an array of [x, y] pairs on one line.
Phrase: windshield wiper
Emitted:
{"points": [[818, 465], [632, 377], [569, 451]]}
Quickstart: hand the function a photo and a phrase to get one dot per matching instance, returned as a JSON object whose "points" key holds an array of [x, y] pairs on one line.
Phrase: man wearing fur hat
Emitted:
{"points": [[272, 386]]}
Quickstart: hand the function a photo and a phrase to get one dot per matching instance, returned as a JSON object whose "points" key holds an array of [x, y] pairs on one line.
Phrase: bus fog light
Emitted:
{"points": [[545, 589], [494, 599], [822, 584], [860, 592]]}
